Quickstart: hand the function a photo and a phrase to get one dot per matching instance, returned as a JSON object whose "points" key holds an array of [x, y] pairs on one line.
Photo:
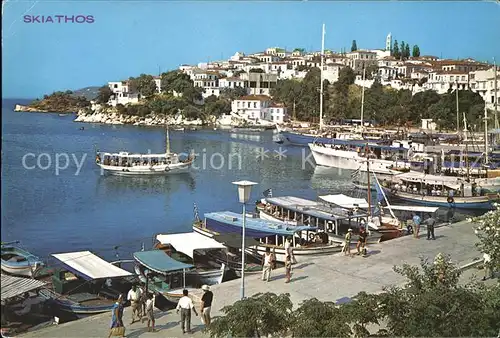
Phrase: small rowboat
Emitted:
{"points": [[17, 261]]}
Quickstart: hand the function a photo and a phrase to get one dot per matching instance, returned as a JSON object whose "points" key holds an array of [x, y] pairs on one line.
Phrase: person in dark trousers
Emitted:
{"points": [[361, 241], [185, 305], [206, 304], [430, 222]]}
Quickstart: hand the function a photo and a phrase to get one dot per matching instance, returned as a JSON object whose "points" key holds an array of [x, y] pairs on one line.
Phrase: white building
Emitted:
{"points": [[259, 109], [361, 59], [483, 82], [259, 83], [231, 82], [121, 94]]}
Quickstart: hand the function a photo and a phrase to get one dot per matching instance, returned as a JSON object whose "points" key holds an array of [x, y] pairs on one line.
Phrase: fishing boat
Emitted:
{"points": [[306, 240], [179, 129], [19, 262], [332, 220], [191, 248], [439, 192], [130, 164], [85, 284], [164, 275]]}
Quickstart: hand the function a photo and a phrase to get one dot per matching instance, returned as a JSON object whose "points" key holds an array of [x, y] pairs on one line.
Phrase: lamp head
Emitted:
{"points": [[244, 189]]}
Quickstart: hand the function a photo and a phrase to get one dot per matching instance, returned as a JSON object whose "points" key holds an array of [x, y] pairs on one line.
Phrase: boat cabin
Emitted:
{"points": [[124, 159]]}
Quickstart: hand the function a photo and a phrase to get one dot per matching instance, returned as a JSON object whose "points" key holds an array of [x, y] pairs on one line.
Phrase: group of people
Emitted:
{"points": [[269, 262], [430, 222], [360, 246], [142, 304]]}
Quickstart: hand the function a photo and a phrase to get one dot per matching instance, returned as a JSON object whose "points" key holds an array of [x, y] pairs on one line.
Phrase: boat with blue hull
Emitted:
{"points": [[19, 262], [305, 240], [84, 284]]}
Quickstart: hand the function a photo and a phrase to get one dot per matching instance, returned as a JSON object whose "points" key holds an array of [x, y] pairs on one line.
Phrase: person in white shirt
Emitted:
{"points": [[186, 305], [268, 265], [289, 250], [488, 273], [150, 304], [134, 296]]}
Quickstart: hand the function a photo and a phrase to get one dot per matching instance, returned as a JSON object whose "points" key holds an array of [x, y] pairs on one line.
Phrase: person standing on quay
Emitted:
{"points": [[150, 304], [185, 305], [361, 240], [206, 304], [289, 250], [488, 273], [347, 245], [268, 265], [134, 296], [117, 328], [416, 223], [430, 222]]}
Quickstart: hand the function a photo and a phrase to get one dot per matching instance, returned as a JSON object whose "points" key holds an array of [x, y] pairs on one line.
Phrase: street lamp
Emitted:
{"points": [[244, 188]]}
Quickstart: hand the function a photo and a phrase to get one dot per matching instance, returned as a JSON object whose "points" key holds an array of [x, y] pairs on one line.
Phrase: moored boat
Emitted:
{"points": [[85, 284], [19, 262]]}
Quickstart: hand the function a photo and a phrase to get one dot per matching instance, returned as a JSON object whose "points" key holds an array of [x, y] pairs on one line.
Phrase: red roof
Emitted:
{"points": [[255, 98]]}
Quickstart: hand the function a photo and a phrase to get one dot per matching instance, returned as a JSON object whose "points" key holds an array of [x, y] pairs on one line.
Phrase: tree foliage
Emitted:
{"points": [[61, 102], [432, 303], [233, 93], [104, 94], [395, 50], [488, 233], [144, 84], [416, 51]]}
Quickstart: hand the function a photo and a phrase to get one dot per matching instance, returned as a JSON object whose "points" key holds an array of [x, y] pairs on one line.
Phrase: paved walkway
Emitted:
{"points": [[327, 278]]}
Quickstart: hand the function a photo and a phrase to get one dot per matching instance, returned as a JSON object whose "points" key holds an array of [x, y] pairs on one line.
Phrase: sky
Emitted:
{"points": [[127, 38]]}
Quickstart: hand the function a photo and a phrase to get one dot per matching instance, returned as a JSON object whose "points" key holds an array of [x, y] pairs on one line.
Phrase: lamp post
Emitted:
{"points": [[244, 188]]}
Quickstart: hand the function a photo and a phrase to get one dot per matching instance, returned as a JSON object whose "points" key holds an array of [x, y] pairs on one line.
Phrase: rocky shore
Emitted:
{"points": [[28, 109], [115, 118]]}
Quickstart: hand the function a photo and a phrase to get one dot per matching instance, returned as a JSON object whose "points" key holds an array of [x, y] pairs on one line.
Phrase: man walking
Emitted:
{"points": [[206, 304], [268, 262], [134, 296], [150, 303], [430, 222], [289, 250], [488, 273], [347, 245], [361, 241], [185, 305]]}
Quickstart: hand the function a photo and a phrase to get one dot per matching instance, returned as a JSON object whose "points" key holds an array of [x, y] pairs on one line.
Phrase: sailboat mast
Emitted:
{"points": [[167, 136], [458, 114], [485, 135], [363, 100], [496, 94], [321, 79], [369, 197]]}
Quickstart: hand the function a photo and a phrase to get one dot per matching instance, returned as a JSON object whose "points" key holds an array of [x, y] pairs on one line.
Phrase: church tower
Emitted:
{"points": [[388, 42]]}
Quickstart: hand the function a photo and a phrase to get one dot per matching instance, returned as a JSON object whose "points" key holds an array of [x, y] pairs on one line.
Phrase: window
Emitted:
{"points": [[238, 104], [255, 104], [463, 77], [452, 78], [115, 86]]}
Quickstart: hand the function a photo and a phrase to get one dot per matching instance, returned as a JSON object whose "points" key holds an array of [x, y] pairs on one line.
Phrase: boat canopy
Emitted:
{"points": [[129, 155], [260, 227], [189, 242], [413, 208], [89, 266], [312, 208], [233, 240], [158, 261], [15, 286], [448, 181], [345, 201]]}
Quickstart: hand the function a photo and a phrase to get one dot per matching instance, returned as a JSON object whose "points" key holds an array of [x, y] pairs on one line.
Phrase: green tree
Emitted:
{"points": [[395, 50], [407, 51], [233, 93], [300, 50], [104, 94], [314, 318], [144, 84], [259, 315], [488, 233], [402, 50], [371, 72], [433, 303], [416, 51], [354, 46]]}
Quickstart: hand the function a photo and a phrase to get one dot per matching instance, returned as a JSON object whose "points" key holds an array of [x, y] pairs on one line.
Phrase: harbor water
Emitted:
{"points": [[54, 198]]}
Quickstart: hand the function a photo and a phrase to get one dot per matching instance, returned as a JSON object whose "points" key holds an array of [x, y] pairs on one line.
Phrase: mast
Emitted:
{"points": [[485, 135], [496, 95], [363, 100], [467, 153], [321, 79], [458, 114], [167, 136], [369, 186], [383, 194]]}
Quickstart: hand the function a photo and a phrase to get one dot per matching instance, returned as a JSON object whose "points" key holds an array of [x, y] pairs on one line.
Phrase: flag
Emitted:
{"points": [[268, 193]]}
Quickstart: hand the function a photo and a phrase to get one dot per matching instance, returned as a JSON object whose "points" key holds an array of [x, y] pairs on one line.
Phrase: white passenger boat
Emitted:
{"points": [[129, 164]]}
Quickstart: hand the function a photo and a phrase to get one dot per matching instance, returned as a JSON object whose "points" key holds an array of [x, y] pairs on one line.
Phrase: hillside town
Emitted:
{"points": [[258, 73]]}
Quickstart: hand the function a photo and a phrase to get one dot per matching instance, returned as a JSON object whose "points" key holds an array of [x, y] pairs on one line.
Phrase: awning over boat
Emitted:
{"points": [[189, 242], [448, 181], [159, 261], [345, 201], [413, 208], [234, 240], [15, 286], [89, 266]]}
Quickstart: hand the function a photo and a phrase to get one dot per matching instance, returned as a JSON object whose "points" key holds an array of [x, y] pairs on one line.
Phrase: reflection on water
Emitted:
{"points": [[246, 137], [332, 180], [150, 184]]}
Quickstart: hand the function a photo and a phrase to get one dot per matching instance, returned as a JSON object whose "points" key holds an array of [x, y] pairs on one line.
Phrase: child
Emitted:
{"points": [[288, 269]]}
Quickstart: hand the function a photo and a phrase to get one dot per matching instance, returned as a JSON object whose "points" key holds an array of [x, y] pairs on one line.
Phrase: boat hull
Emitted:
{"points": [[160, 169], [73, 309], [19, 262], [470, 203]]}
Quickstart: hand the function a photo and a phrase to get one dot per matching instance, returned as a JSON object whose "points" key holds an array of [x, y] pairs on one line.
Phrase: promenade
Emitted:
{"points": [[332, 278]]}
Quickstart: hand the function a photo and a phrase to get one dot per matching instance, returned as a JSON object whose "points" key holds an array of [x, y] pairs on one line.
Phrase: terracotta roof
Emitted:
{"points": [[277, 105], [389, 58], [255, 98]]}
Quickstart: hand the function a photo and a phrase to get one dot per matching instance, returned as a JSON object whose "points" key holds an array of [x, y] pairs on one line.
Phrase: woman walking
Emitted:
{"points": [[117, 328], [288, 269]]}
